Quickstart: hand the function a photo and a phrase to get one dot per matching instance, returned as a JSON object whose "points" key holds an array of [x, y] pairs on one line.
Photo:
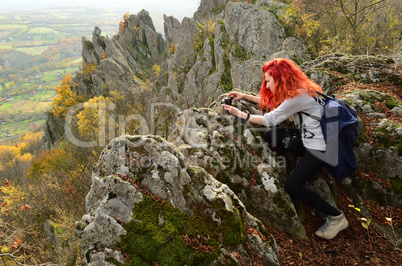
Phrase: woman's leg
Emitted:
{"points": [[305, 170]]}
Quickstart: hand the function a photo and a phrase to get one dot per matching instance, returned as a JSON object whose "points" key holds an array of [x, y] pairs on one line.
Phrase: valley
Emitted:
{"points": [[37, 49]]}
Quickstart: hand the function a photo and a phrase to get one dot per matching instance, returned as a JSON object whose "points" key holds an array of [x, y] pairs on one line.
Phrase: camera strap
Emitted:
{"points": [[305, 133]]}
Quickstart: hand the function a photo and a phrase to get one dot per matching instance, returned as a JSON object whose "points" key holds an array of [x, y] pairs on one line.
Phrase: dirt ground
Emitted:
{"points": [[356, 245]]}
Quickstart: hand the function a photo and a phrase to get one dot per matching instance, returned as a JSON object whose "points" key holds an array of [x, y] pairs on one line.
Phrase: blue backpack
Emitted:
{"points": [[340, 127]]}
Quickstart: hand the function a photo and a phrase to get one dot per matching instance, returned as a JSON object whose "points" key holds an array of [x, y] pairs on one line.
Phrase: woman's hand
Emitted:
{"points": [[236, 95], [255, 119], [232, 110]]}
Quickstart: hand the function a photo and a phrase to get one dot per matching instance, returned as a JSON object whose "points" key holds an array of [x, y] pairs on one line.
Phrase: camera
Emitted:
{"points": [[227, 101], [292, 142]]}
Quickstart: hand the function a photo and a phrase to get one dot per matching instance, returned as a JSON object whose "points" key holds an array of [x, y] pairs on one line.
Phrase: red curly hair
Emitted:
{"points": [[288, 78]]}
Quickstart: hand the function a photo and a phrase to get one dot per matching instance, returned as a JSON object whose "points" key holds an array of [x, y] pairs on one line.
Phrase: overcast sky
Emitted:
{"points": [[176, 8]]}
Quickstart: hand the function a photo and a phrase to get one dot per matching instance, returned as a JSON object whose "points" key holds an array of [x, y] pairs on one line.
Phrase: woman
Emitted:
{"points": [[286, 91]]}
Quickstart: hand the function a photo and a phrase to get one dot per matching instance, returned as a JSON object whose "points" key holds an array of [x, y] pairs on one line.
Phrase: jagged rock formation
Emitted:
{"points": [[212, 162], [198, 218], [238, 156], [245, 36]]}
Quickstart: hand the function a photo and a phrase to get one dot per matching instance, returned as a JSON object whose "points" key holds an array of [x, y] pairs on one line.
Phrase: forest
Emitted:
{"points": [[43, 190]]}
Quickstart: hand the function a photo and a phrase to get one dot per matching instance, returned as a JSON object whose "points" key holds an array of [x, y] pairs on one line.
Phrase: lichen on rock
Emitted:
{"points": [[171, 213]]}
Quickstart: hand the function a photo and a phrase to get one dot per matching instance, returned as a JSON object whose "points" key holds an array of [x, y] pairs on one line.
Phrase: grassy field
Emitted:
{"points": [[42, 30], [17, 129], [36, 50], [6, 45], [25, 103], [7, 26], [34, 107]]}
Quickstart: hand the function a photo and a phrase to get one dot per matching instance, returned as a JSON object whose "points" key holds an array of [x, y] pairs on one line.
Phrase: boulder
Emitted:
{"points": [[146, 201], [238, 157]]}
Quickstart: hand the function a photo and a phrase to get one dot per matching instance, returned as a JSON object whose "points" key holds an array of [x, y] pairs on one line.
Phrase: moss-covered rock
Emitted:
{"points": [[361, 69], [173, 213], [236, 155]]}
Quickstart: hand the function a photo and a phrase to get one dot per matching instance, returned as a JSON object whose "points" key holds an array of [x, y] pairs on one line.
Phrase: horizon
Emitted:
{"points": [[156, 8], [179, 10]]}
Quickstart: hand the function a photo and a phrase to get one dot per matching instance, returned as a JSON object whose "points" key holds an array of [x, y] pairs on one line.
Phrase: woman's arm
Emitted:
{"points": [[252, 98], [256, 119], [238, 95]]}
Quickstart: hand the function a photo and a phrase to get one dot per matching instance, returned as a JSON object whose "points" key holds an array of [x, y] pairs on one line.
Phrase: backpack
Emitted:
{"points": [[340, 127]]}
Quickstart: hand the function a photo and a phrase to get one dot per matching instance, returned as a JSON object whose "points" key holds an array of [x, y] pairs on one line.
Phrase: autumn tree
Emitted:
{"points": [[14, 163], [65, 97], [347, 26], [123, 24], [13, 207], [59, 181], [16, 223], [205, 30], [104, 118]]}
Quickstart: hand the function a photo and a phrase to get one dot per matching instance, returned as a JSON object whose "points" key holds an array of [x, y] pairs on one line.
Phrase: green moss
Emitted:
{"points": [[186, 191], [351, 76], [348, 101], [297, 61], [157, 233], [283, 204], [387, 136], [274, 9], [226, 79], [197, 172], [240, 52], [365, 97], [391, 103], [211, 44]]}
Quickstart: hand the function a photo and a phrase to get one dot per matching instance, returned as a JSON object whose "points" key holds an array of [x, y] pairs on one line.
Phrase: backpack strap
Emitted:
{"points": [[324, 95], [302, 129], [320, 102], [310, 115]]}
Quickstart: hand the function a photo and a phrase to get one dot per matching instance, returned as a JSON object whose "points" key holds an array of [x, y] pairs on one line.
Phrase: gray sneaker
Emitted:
{"points": [[332, 226]]}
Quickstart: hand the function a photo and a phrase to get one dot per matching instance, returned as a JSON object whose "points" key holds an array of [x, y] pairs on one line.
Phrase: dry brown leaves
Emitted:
{"points": [[369, 126], [381, 213], [197, 244], [371, 176], [391, 116], [353, 246]]}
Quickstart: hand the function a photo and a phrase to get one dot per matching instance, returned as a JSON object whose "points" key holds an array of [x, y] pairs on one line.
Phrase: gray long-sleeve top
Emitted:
{"points": [[311, 129]]}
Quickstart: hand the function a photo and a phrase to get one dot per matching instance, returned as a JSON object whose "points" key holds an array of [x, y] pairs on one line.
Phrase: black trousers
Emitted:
{"points": [[304, 171]]}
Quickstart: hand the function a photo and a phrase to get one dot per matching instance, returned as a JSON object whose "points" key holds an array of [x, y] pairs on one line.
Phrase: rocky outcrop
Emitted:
{"points": [[254, 35], [238, 157], [172, 30], [181, 61], [140, 39], [147, 201], [363, 69], [54, 130], [245, 37]]}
